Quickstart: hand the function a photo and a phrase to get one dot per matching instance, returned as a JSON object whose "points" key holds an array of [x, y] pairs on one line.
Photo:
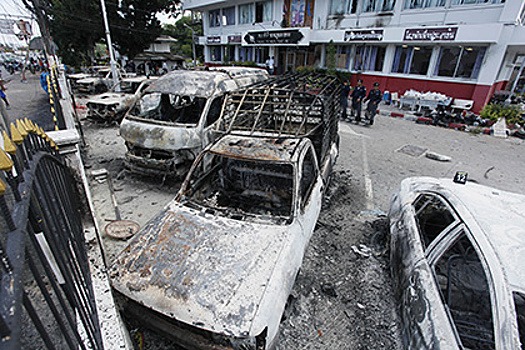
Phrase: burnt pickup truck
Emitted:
{"points": [[214, 269]]}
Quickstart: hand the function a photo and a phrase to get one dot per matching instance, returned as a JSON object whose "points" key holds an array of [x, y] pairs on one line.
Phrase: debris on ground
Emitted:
{"points": [[438, 157]]}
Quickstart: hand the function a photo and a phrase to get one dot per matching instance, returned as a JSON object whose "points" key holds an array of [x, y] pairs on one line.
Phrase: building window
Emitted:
{"points": [[342, 56], [263, 11], [215, 53], [245, 54], [412, 59], [341, 7], [378, 5], [261, 54], [369, 58], [419, 4], [228, 16], [460, 62], [476, 2], [229, 53], [215, 18], [246, 13]]}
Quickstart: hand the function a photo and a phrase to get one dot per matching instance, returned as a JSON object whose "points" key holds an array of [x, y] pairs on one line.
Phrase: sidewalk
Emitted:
{"points": [[28, 100]]}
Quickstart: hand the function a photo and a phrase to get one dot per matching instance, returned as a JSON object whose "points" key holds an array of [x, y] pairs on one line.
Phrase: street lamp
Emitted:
{"points": [[192, 44]]}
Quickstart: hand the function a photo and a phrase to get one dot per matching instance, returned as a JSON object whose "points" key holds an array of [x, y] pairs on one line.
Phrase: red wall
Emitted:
{"points": [[480, 94]]}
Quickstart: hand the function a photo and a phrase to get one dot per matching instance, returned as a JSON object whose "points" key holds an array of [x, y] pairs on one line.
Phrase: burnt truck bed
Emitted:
{"points": [[293, 105]]}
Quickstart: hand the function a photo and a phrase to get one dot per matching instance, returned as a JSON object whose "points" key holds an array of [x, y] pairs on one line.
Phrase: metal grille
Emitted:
{"points": [[46, 294]]}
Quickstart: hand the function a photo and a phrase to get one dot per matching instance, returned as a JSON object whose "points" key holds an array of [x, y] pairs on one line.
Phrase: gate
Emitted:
{"points": [[46, 294]]}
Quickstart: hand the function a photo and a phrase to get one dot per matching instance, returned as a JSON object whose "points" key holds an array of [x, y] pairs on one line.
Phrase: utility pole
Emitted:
{"points": [[192, 44], [112, 62]]}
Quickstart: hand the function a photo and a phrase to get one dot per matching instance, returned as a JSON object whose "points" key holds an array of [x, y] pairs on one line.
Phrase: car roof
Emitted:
{"points": [[259, 148], [500, 216], [204, 83]]}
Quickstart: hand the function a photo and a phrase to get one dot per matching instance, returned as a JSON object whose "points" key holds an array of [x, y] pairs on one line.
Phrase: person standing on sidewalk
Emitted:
{"points": [[2, 93], [358, 95], [374, 98]]}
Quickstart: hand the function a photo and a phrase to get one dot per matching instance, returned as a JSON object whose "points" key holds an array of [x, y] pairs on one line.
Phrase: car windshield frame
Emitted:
{"points": [[241, 188], [170, 108]]}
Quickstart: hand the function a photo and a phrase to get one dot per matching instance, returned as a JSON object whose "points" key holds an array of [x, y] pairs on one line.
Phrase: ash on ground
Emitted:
{"points": [[343, 296]]}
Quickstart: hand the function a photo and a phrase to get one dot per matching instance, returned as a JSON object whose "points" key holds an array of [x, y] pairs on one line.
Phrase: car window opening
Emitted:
{"points": [[237, 187], [519, 303], [465, 292], [432, 216], [180, 109]]}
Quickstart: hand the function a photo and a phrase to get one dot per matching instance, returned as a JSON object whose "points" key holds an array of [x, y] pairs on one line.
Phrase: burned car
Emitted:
{"points": [[215, 268], [174, 119], [456, 253], [101, 81], [111, 106]]}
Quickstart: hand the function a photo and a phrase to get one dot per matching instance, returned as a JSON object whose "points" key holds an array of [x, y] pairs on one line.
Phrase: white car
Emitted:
{"points": [[111, 106], [456, 259]]}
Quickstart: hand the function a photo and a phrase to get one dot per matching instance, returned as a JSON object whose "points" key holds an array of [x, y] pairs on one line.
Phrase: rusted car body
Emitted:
{"points": [[174, 119], [215, 268], [111, 106], [456, 254]]}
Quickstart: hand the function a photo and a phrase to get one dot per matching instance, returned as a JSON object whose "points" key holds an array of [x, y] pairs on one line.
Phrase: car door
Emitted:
{"points": [[210, 118], [422, 221], [463, 281], [310, 191]]}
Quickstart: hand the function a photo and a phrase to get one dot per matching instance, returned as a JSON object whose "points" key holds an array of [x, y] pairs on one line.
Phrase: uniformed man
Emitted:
{"points": [[374, 98], [358, 94]]}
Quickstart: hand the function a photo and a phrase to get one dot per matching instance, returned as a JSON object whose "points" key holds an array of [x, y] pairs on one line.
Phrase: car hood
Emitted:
{"points": [[200, 269], [88, 80], [152, 134], [110, 98]]}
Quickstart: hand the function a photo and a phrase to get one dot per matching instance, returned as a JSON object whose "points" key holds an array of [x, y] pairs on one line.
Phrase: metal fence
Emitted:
{"points": [[46, 294]]}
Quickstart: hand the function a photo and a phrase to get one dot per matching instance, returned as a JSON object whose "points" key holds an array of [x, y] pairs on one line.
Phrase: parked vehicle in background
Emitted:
{"points": [[175, 117], [111, 106], [456, 259], [215, 268], [98, 83]]}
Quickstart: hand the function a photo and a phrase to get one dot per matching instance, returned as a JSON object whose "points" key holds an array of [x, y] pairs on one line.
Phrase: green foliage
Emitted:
{"points": [[244, 63], [76, 25], [330, 56], [341, 75], [183, 34], [494, 111]]}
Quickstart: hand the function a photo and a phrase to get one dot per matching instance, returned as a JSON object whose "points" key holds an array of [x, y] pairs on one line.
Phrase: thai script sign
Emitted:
{"points": [[364, 35], [431, 34], [234, 39], [213, 39], [274, 37]]}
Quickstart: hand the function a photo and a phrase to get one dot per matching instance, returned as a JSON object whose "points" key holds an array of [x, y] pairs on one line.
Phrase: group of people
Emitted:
{"points": [[358, 96]]}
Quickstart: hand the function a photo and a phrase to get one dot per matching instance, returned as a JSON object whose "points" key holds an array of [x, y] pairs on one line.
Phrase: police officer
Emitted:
{"points": [[374, 98], [358, 94]]}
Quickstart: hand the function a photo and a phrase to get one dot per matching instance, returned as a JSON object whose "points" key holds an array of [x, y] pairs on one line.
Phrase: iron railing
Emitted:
{"points": [[46, 294]]}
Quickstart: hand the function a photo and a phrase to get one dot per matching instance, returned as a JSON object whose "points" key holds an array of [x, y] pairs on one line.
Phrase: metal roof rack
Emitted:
{"points": [[290, 105]]}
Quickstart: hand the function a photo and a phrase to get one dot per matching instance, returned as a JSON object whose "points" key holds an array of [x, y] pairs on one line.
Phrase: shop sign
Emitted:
{"points": [[213, 39], [234, 39], [364, 35], [431, 34], [274, 37]]}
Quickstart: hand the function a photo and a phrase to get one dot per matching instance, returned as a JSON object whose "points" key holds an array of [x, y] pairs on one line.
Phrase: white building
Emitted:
{"points": [[463, 48]]}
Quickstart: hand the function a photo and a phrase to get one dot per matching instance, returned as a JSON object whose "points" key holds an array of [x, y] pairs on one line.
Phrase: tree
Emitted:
{"points": [[183, 34], [76, 25], [134, 25]]}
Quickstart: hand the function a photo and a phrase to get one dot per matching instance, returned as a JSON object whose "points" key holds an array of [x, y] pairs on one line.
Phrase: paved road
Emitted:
{"points": [[28, 100], [373, 153]]}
